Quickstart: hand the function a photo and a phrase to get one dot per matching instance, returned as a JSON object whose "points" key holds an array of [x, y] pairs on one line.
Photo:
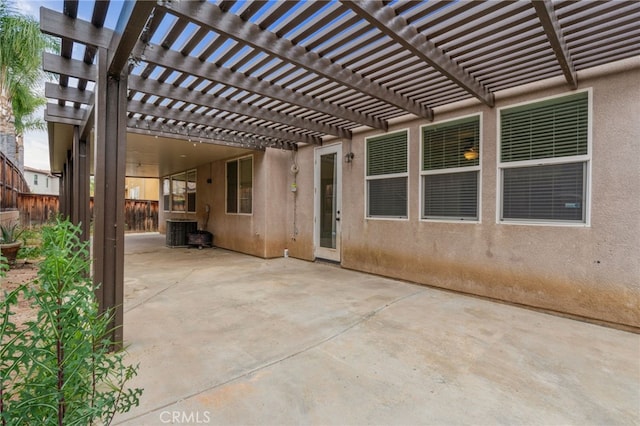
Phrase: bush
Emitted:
{"points": [[59, 368], [31, 244]]}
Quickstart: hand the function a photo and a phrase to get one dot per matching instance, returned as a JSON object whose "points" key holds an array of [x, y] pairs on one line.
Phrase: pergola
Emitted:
{"points": [[238, 75]]}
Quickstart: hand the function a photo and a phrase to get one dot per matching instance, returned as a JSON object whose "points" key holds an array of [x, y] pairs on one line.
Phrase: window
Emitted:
{"points": [[240, 185], [191, 191], [387, 176], [544, 159], [450, 171], [35, 180], [166, 194], [179, 192]]}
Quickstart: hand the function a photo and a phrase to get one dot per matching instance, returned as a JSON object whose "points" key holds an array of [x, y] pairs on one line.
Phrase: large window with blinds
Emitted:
{"points": [[544, 161], [387, 175], [240, 186], [450, 170]]}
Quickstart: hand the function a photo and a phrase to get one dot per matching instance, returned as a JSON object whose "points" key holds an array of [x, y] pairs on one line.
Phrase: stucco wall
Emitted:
{"points": [[590, 271], [261, 233], [300, 228]]}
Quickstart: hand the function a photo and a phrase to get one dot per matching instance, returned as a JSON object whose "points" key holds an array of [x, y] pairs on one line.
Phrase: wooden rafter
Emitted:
{"points": [[203, 120], [173, 60], [76, 30], [164, 90], [549, 20], [385, 19], [211, 16]]}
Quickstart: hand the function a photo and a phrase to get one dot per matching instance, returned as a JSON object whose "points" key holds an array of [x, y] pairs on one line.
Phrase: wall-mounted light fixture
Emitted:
{"points": [[348, 157]]}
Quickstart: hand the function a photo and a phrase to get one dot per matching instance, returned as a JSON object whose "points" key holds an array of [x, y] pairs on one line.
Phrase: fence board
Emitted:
{"points": [[12, 183], [37, 209]]}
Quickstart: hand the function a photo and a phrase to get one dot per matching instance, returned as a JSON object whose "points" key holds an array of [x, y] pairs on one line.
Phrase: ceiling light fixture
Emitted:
{"points": [[471, 154]]}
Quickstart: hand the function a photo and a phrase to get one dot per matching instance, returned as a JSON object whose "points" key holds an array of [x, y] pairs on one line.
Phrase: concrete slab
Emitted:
{"points": [[224, 338]]}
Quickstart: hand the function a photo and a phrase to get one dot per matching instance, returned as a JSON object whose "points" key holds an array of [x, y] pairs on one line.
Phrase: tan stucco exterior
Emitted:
{"points": [[590, 271], [261, 233]]}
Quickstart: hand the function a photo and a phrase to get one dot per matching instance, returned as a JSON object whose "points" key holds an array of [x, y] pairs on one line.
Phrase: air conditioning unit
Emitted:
{"points": [[178, 232]]}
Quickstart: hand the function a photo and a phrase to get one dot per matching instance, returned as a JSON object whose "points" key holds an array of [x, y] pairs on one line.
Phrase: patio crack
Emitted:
{"points": [[356, 323], [130, 308]]}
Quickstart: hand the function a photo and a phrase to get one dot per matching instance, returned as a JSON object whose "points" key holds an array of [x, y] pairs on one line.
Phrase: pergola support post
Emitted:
{"points": [[109, 164], [66, 193], [80, 166], [62, 195]]}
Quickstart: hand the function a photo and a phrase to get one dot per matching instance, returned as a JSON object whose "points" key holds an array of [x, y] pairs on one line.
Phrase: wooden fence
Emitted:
{"points": [[37, 209], [12, 184], [140, 215]]}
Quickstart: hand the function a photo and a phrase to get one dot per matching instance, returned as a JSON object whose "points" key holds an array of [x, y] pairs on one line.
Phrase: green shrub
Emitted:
{"points": [[58, 368]]}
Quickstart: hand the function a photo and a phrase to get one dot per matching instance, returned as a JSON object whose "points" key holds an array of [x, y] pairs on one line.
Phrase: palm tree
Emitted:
{"points": [[21, 76]]}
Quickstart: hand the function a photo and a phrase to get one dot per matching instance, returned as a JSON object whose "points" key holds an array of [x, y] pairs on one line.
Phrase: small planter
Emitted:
{"points": [[10, 251]]}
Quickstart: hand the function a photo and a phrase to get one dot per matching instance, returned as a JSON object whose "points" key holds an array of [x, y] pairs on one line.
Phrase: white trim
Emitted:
{"points": [[237, 159], [324, 252], [545, 162], [477, 168], [588, 158], [170, 177], [406, 175]]}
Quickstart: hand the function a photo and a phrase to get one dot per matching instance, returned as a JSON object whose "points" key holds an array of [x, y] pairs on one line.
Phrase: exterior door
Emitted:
{"points": [[328, 201]]}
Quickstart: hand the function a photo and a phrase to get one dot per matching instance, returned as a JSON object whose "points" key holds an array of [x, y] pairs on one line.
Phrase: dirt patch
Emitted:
{"points": [[20, 273]]}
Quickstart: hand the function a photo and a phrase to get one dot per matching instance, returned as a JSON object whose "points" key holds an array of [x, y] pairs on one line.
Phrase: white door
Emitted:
{"points": [[328, 201]]}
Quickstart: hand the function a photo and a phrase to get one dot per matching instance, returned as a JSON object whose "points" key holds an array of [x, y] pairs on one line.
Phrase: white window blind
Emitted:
{"points": [[551, 192], [387, 175], [544, 160], [545, 130]]}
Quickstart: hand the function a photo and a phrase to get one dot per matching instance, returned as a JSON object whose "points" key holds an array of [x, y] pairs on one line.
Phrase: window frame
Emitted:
{"points": [[477, 169], [405, 175], [186, 192], [238, 162], [586, 159]]}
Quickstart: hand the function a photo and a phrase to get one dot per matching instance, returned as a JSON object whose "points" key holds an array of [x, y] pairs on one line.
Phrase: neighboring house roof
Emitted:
{"points": [[39, 171]]}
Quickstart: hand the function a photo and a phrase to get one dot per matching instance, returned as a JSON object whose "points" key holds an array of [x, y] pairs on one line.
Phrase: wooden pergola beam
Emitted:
{"points": [[131, 23], [156, 128], [68, 67], [210, 16], [67, 27], [55, 110], [204, 120], [169, 59], [396, 27], [61, 120], [165, 90], [549, 20], [70, 94]]}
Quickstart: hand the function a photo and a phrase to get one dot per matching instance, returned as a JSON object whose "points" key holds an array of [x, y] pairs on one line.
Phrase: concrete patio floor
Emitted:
{"points": [[224, 338]]}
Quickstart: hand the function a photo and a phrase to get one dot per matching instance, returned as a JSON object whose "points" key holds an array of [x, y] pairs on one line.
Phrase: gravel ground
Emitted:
{"points": [[22, 272]]}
